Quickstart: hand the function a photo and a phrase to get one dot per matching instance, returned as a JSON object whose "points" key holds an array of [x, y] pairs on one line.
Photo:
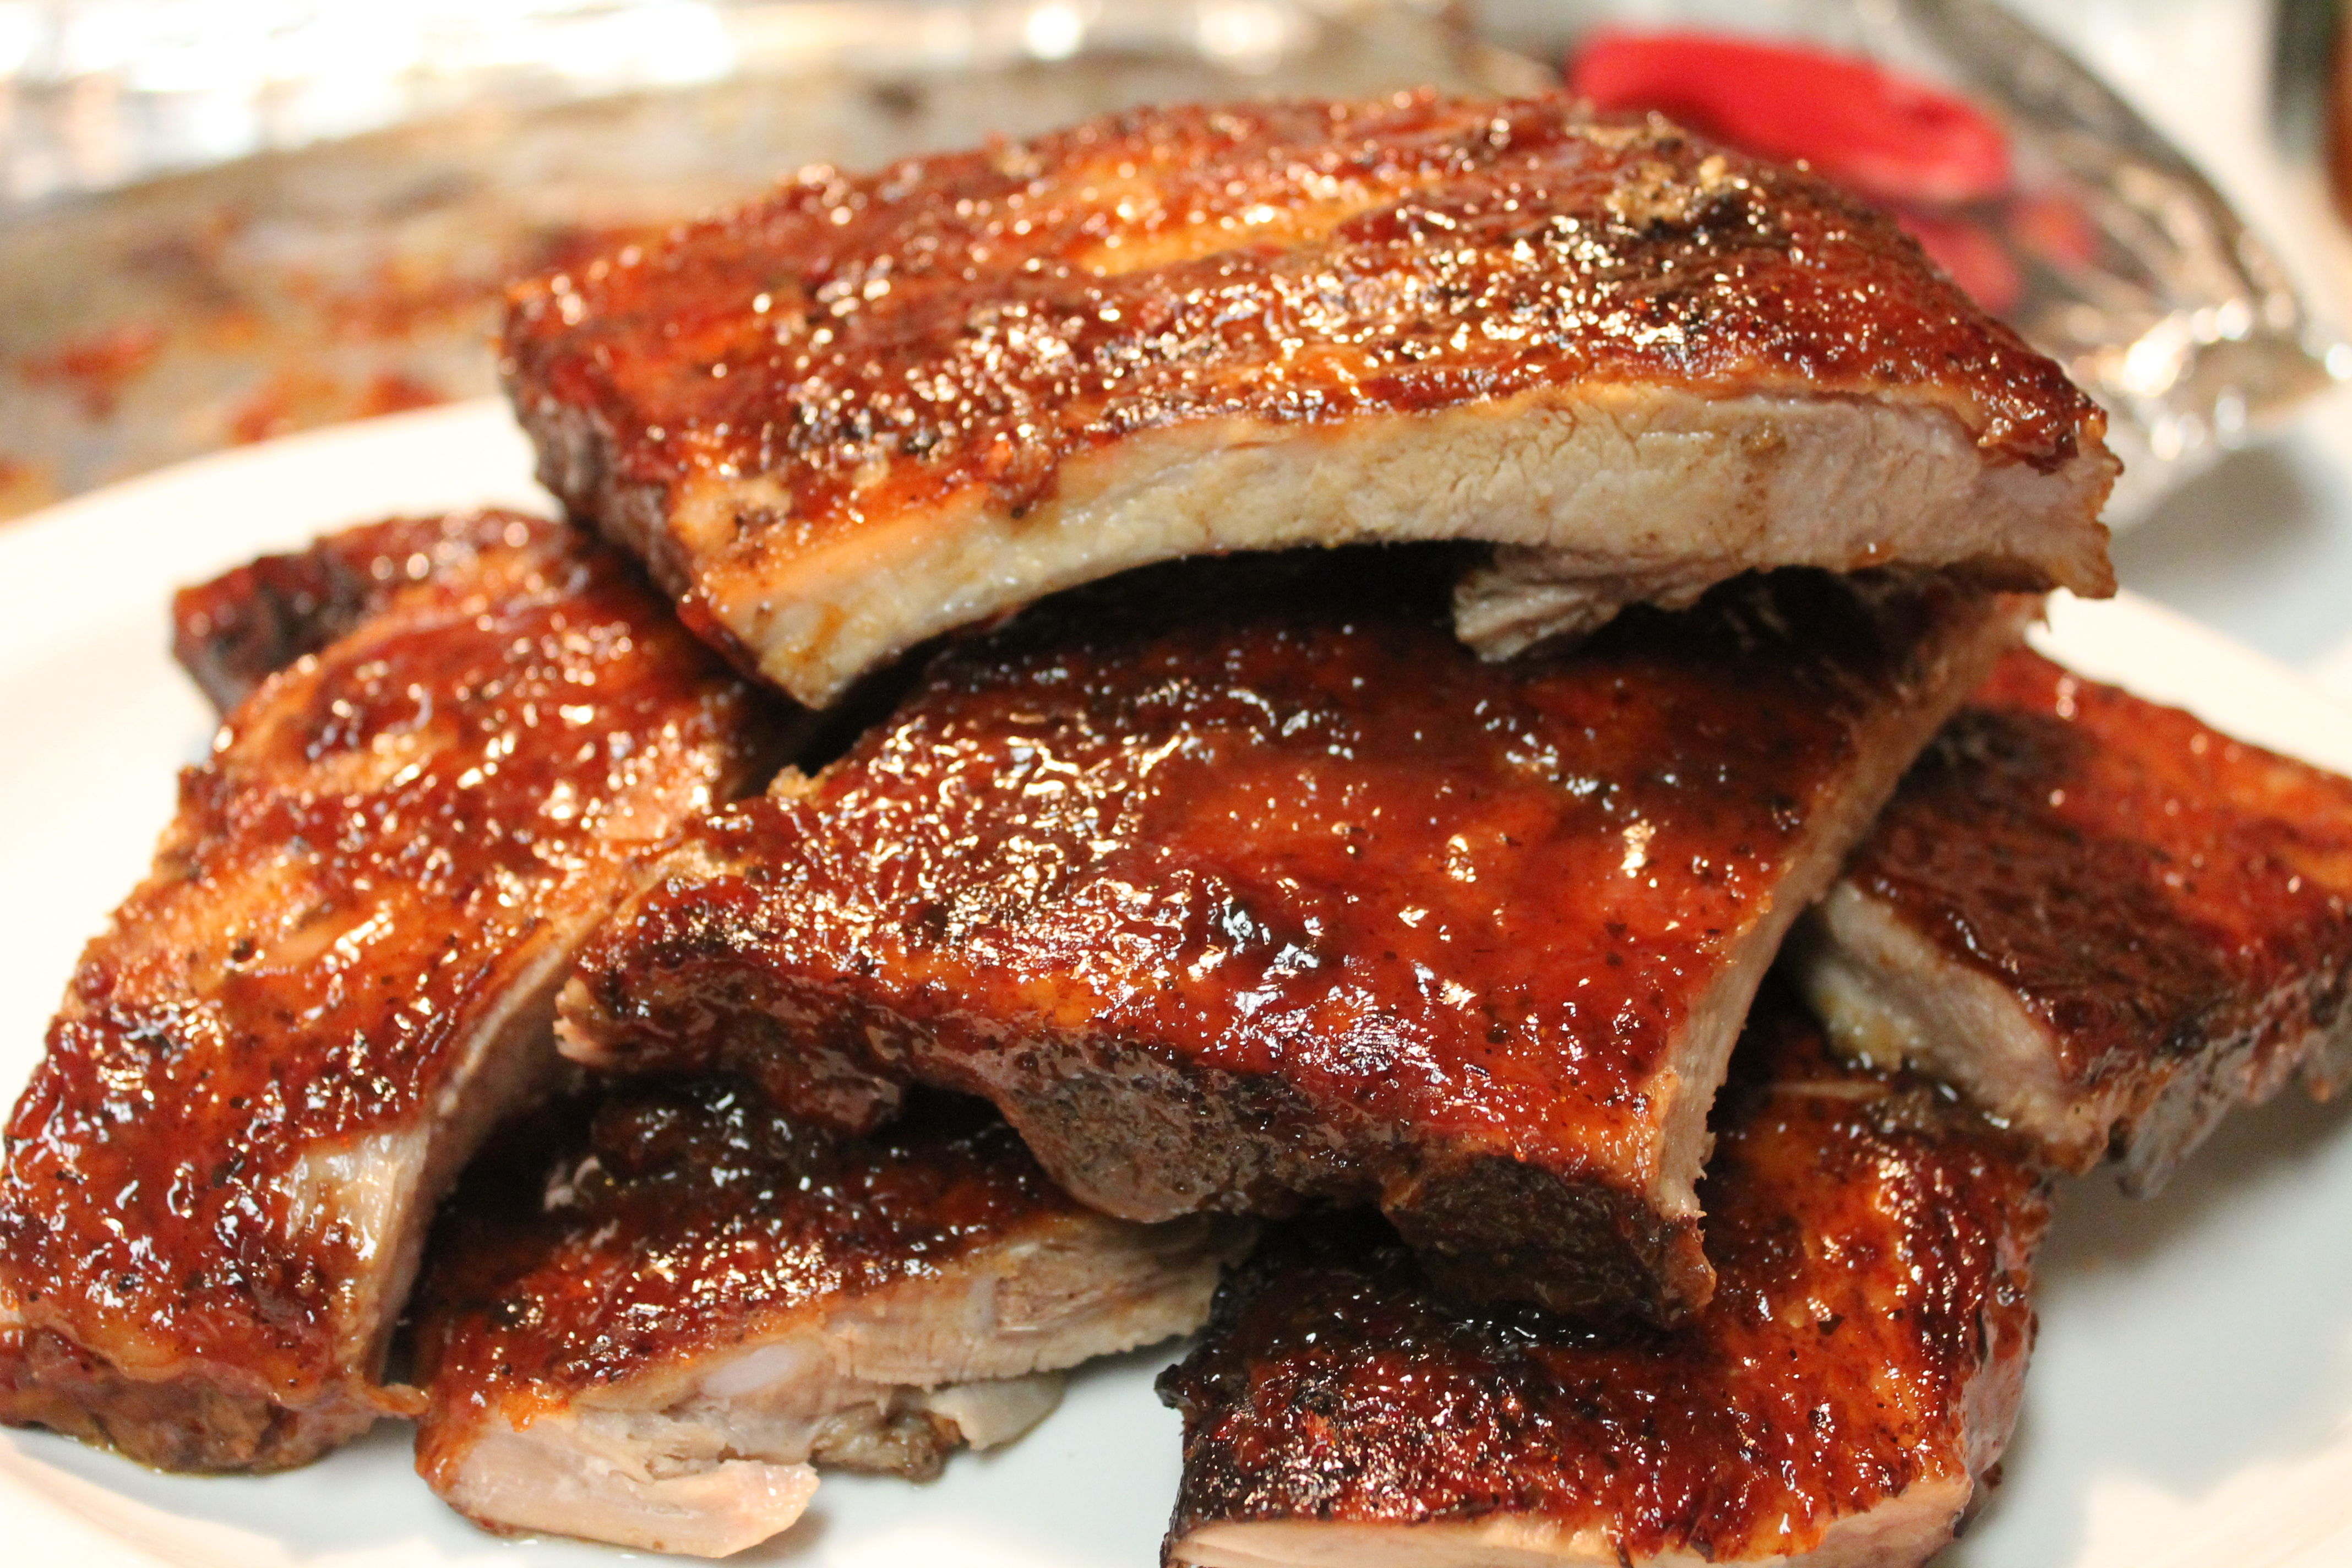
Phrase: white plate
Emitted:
{"points": [[2191, 1401]]}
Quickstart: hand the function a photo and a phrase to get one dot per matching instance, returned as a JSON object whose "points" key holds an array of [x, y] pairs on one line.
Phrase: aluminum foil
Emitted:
{"points": [[337, 279], [324, 279], [2178, 320]]}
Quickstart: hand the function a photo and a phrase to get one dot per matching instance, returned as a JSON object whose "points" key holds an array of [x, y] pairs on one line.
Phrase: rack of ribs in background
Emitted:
{"points": [[872, 408], [338, 976], [649, 1315], [1857, 1371], [2105, 920], [1239, 884]]}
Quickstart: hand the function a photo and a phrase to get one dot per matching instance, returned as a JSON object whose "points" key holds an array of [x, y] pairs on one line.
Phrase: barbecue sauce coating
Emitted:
{"points": [[2146, 885], [389, 844], [602, 1242], [1240, 882], [879, 343], [234, 632], [1868, 1334]]}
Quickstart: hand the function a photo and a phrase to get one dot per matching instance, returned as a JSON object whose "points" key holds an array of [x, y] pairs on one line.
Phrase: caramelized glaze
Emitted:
{"points": [[233, 632], [2160, 897], [340, 956], [1239, 882], [894, 373], [1868, 1334], [978, 318], [650, 1316], [604, 1239]]}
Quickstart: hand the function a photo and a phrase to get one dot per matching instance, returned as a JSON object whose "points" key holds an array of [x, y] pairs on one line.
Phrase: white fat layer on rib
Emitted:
{"points": [[1606, 495], [1071, 1288], [362, 1194], [990, 1413], [1900, 1532]]}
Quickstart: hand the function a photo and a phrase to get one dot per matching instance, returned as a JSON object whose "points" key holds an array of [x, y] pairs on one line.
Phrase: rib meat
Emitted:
{"points": [[1235, 883], [872, 408], [1850, 1385], [235, 631], [339, 971], [2106, 921], [647, 1332]]}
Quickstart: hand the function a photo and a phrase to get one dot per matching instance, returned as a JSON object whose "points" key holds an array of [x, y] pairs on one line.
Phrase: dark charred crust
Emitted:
{"points": [[1586, 1248], [238, 629], [2172, 907], [1827, 1377], [199, 1422], [1241, 884], [576, 465]]}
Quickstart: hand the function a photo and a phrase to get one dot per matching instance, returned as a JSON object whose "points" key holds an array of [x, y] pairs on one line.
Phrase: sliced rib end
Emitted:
{"points": [[1604, 496], [712, 1450], [1892, 998], [544, 1479]]}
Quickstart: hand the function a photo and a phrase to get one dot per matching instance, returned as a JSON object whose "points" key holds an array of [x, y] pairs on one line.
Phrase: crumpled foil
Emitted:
{"points": [[2182, 324], [328, 278]]}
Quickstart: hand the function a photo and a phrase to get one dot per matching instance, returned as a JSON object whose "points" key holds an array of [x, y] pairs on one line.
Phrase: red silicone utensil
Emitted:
{"points": [[1881, 134]]}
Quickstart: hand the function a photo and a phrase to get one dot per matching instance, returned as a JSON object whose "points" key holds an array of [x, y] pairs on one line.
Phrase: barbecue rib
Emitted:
{"points": [[1236, 882], [645, 1333], [338, 973], [1855, 1376], [873, 408], [2106, 921], [235, 631]]}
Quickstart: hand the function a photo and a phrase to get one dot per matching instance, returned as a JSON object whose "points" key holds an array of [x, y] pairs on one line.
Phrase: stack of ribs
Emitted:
{"points": [[1145, 887]]}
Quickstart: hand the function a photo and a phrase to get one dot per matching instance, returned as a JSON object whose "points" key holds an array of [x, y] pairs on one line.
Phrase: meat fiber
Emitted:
{"points": [[2106, 921], [1236, 884], [1838, 1403], [339, 973], [872, 408], [650, 1331]]}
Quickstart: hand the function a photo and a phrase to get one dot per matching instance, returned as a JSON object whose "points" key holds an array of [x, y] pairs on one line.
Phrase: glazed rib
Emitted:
{"points": [[339, 971], [2106, 921], [1849, 1386], [235, 631], [873, 408], [645, 1324], [1239, 883]]}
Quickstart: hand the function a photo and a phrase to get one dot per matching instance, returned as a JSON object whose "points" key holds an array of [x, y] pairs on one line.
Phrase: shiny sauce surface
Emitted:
{"points": [[1266, 818], [881, 342], [669, 1222], [385, 835], [235, 630], [2142, 882], [1869, 1327]]}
